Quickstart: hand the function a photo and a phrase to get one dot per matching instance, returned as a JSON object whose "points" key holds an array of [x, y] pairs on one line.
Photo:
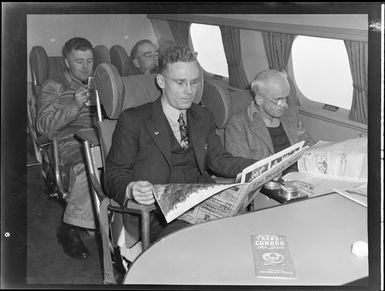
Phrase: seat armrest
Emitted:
{"points": [[135, 207], [46, 138], [88, 134]]}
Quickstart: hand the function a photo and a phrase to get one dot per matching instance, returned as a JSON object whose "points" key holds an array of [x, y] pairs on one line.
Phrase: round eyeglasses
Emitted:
{"points": [[279, 101]]}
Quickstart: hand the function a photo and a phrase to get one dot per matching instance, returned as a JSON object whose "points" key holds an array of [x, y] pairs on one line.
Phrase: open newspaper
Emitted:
{"points": [[197, 203], [334, 167]]}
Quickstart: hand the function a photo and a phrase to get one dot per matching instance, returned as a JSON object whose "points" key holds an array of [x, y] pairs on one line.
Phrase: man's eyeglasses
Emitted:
{"points": [[182, 83], [279, 101]]}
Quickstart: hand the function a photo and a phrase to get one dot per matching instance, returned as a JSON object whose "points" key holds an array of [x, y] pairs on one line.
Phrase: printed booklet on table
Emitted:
{"points": [[272, 257]]}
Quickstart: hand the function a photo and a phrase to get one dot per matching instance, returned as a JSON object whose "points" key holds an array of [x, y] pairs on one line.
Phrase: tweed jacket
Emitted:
{"points": [[141, 148], [247, 136]]}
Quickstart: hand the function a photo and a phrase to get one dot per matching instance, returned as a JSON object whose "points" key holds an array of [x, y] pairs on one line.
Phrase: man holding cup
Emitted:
{"points": [[62, 107]]}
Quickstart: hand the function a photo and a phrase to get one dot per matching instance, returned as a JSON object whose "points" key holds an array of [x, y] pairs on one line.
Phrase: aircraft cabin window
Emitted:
{"points": [[207, 41], [322, 71]]}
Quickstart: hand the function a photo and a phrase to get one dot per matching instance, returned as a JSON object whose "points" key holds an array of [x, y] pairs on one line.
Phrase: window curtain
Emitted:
{"points": [[180, 32], [278, 48], [232, 45], [358, 60]]}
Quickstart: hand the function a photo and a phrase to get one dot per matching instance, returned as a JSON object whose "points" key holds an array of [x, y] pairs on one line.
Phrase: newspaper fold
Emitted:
{"points": [[213, 201]]}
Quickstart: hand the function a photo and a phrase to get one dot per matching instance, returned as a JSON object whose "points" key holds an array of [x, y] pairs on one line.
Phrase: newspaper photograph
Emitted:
{"points": [[328, 166], [197, 203]]}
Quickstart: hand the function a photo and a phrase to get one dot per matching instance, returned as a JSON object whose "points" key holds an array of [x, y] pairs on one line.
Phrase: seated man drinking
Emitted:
{"points": [[61, 107]]}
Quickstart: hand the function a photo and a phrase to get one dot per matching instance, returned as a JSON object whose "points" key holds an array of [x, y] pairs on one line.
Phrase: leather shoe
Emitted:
{"points": [[73, 246]]}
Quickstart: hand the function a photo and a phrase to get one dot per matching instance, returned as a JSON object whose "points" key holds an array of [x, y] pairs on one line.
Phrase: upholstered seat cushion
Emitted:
{"points": [[140, 89], [110, 88], [101, 55], [122, 61], [224, 101]]}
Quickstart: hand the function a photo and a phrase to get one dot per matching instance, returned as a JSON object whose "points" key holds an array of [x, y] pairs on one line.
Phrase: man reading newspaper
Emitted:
{"points": [[224, 200]]}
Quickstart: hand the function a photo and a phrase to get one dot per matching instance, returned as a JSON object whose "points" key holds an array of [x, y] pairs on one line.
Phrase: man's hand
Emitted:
{"points": [[141, 192], [80, 97]]}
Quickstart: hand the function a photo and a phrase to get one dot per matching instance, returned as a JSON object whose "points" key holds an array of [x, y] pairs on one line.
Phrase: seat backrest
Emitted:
{"points": [[139, 89], [224, 101], [119, 93], [43, 67], [101, 55], [122, 61]]}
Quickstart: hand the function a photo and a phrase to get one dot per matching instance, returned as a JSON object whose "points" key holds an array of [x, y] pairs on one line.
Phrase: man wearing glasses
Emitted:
{"points": [[269, 124], [170, 140]]}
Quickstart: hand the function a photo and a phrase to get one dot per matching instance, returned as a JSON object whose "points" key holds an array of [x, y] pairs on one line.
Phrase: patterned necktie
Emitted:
{"points": [[183, 132]]}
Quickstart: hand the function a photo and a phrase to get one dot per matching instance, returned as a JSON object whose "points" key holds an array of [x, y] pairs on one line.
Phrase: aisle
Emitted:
{"points": [[46, 262]]}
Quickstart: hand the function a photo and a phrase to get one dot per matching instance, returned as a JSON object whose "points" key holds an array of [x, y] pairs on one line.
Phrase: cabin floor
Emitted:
{"points": [[46, 261]]}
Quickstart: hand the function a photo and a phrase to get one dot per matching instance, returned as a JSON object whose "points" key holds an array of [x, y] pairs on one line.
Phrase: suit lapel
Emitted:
{"points": [[197, 137], [157, 126], [261, 131]]}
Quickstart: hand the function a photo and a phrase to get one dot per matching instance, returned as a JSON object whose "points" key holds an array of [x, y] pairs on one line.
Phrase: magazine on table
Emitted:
{"points": [[329, 167]]}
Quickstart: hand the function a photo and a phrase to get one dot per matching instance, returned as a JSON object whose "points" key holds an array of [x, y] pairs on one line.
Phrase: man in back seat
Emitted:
{"points": [[61, 107], [144, 55], [269, 124], [170, 140]]}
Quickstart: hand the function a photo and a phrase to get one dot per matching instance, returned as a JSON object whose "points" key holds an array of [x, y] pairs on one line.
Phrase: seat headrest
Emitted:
{"points": [[119, 93], [110, 88], [224, 102], [139, 89], [44, 67], [38, 61], [101, 55], [57, 66], [122, 61]]}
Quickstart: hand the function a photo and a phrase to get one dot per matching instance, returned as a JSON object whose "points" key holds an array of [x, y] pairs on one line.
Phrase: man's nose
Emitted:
{"points": [[188, 87]]}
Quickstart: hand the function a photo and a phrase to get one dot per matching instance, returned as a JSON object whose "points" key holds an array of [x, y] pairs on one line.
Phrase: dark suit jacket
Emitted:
{"points": [[141, 148]]}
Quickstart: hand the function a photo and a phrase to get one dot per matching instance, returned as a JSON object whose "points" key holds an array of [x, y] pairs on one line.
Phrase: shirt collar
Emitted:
{"points": [[172, 112], [252, 110]]}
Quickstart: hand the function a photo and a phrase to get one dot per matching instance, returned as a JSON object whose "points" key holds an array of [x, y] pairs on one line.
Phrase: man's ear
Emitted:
{"points": [[160, 81], [66, 62], [258, 100], [136, 63]]}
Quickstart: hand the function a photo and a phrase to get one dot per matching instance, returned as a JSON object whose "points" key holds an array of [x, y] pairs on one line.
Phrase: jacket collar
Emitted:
{"points": [[258, 127]]}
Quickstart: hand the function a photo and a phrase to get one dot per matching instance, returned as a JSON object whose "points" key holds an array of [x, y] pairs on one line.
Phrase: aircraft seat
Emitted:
{"points": [[101, 55], [224, 101], [122, 61], [118, 93]]}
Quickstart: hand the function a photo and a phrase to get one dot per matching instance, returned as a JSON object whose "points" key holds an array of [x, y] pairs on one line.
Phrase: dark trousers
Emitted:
{"points": [[160, 228]]}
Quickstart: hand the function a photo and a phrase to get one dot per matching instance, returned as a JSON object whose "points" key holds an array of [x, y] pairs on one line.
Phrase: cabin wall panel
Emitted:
{"points": [[52, 31], [321, 128], [162, 30]]}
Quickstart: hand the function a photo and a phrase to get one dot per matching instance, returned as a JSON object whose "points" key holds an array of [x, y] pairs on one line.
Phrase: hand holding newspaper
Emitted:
{"points": [[213, 201]]}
